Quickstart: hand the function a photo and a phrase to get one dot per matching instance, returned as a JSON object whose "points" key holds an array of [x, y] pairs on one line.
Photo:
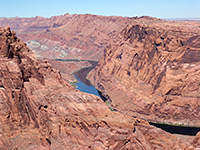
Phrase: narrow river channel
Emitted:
{"points": [[84, 85], [87, 88]]}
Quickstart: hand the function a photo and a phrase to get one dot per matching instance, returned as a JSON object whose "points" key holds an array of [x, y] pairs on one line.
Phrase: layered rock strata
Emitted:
{"points": [[39, 110], [153, 72]]}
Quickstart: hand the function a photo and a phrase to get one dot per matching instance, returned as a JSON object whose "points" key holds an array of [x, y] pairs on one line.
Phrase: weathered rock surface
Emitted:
{"points": [[153, 72], [39, 110], [67, 68], [77, 36], [67, 36]]}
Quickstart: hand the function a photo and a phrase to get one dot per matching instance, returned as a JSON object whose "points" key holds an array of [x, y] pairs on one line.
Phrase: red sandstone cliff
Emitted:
{"points": [[39, 110], [67, 36], [75, 36], [78, 36], [153, 72]]}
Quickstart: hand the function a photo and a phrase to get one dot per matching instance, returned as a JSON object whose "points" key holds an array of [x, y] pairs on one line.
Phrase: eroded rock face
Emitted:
{"points": [[39, 110], [153, 72], [67, 36], [76, 36]]}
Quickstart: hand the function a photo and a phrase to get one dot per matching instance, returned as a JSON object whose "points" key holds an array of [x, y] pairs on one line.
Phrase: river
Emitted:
{"points": [[87, 88], [84, 85]]}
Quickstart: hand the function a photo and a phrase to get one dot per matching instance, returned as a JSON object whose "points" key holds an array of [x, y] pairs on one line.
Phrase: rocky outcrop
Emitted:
{"points": [[39, 110], [153, 72], [67, 36], [78, 36]]}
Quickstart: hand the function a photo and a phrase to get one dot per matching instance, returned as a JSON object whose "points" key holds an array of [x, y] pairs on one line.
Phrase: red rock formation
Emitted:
{"points": [[67, 36], [153, 72], [39, 110], [67, 68], [77, 36]]}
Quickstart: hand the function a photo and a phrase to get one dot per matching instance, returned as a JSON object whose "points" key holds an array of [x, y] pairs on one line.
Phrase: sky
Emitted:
{"points": [[130, 8]]}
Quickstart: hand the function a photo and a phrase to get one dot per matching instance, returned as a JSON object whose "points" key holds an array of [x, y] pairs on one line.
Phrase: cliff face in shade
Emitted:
{"points": [[39, 110], [153, 72]]}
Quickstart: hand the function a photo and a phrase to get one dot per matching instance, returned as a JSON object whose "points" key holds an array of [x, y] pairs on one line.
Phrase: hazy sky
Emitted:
{"points": [[154, 8]]}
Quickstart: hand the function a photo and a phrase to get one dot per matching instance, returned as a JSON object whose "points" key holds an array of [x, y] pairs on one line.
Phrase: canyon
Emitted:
{"points": [[67, 36], [79, 37], [40, 110], [157, 72], [149, 71]]}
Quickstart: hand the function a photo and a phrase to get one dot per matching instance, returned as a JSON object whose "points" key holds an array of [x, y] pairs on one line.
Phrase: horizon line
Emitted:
{"points": [[166, 18]]}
